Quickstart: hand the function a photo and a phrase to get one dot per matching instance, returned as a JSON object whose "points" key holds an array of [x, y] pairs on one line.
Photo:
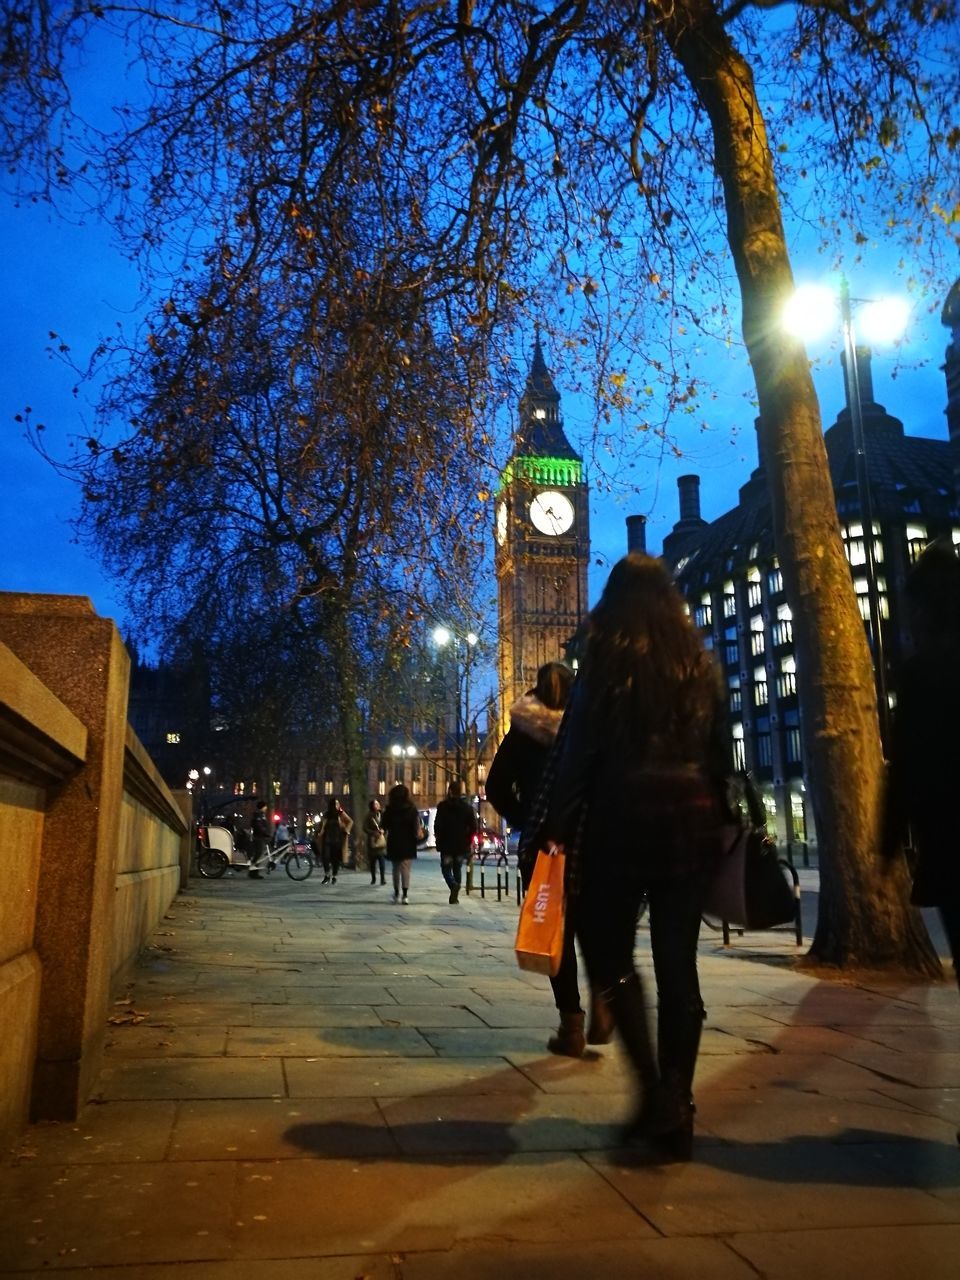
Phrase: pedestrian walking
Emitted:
{"points": [[259, 838], [331, 840], [454, 828], [512, 785], [925, 747], [376, 843], [636, 797], [405, 831]]}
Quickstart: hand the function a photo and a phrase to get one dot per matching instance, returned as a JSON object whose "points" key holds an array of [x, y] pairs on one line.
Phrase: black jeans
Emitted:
{"points": [[452, 868], [607, 913], [331, 856]]}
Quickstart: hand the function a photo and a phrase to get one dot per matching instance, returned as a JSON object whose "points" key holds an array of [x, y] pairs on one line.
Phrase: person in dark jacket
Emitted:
{"points": [[453, 830], [332, 841], [640, 777], [401, 821], [512, 786], [925, 748], [376, 843], [260, 831]]}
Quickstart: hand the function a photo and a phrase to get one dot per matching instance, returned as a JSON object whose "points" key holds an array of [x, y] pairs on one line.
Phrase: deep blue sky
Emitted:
{"points": [[70, 279]]}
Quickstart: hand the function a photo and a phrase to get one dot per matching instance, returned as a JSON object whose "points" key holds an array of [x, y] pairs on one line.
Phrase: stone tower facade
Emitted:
{"points": [[542, 541]]}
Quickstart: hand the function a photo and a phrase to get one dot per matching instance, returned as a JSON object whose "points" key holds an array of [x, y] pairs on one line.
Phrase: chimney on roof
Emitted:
{"points": [[864, 375], [637, 534], [689, 490], [683, 534]]}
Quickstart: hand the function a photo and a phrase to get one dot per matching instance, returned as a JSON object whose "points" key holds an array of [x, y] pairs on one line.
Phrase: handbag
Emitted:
{"points": [[539, 942], [748, 888]]}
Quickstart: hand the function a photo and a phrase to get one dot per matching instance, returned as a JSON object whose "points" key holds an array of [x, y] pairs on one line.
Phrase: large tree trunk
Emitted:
{"points": [[865, 919]]}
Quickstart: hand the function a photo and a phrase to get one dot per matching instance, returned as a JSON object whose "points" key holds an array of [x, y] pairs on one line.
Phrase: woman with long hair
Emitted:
{"points": [[404, 831], [637, 799]]}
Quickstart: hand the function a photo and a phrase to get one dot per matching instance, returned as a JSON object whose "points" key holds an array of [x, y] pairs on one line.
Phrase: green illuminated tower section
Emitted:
{"points": [[542, 541]]}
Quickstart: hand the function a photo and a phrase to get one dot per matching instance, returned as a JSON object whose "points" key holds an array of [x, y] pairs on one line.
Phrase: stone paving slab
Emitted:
{"points": [[393, 1077], [880, 1253], [327, 1042], [104, 1132], [575, 1260], [255, 1129], [387, 1109], [774, 1186], [354, 1208], [87, 1215], [191, 1078]]}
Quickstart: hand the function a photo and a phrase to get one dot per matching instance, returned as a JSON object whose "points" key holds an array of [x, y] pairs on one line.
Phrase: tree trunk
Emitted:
{"points": [[865, 919], [348, 715]]}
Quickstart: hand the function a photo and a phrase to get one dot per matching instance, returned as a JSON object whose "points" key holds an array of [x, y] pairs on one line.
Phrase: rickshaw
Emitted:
{"points": [[224, 842]]}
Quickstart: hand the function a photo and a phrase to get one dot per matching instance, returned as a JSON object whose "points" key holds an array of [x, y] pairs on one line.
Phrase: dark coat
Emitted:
{"points": [[454, 827], [638, 805], [403, 827], [518, 765], [925, 773]]}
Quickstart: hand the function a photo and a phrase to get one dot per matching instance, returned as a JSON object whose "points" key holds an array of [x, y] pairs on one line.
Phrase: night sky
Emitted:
{"points": [[71, 280]]}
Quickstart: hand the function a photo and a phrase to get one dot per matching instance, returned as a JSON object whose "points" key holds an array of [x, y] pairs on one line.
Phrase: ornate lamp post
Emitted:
{"points": [[465, 644]]}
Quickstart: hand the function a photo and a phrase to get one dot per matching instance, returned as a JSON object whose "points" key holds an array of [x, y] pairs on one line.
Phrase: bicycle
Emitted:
{"points": [[220, 853]]}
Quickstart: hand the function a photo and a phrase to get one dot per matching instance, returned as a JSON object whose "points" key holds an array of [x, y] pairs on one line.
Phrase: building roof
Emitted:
{"points": [[911, 477], [541, 434]]}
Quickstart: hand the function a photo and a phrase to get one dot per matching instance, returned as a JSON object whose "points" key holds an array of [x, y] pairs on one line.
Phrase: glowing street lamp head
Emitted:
{"points": [[472, 638], [411, 751], [884, 320], [441, 636], [810, 312], [396, 749]]}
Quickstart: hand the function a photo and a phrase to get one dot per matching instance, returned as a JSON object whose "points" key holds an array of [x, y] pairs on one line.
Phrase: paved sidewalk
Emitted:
{"points": [[309, 1082]]}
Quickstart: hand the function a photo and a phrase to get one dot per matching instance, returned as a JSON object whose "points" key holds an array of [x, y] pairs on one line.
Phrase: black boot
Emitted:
{"points": [[569, 1039], [600, 1025], [626, 1003], [670, 1123]]}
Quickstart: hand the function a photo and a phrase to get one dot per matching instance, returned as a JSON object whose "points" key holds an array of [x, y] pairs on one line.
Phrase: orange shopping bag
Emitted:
{"points": [[539, 941]]}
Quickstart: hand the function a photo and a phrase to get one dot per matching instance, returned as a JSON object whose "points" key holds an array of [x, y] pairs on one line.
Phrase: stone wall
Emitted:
{"points": [[93, 848]]}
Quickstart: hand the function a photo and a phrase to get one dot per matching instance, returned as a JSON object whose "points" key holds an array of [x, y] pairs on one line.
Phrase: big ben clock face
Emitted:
{"points": [[551, 513]]}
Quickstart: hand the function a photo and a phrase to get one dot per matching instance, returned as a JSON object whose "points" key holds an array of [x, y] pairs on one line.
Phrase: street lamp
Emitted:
{"points": [[811, 312], [194, 776], [442, 637]]}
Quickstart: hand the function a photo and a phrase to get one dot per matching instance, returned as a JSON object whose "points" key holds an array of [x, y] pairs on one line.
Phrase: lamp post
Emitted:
{"points": [[442, 637], [809, 313]]}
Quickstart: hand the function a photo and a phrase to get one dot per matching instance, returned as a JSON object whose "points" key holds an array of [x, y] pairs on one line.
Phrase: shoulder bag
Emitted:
{"points": [[748, 888]]}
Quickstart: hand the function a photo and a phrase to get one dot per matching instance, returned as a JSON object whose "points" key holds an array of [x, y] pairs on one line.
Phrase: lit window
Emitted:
{"points": [[312, 787], [793, 746], [276, 787], [173, 738], [381, 786], [346, 787], [328, 787]]}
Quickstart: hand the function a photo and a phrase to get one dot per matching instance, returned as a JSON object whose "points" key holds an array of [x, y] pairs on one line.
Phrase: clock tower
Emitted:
{"points": [[542, 541]]}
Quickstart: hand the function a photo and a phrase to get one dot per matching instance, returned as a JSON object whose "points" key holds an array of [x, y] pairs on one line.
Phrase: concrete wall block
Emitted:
{"points": [[19, 1005], [21, 837]]}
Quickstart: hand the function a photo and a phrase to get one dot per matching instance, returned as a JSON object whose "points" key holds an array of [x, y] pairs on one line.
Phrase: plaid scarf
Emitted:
{"points": [[536, 828]]}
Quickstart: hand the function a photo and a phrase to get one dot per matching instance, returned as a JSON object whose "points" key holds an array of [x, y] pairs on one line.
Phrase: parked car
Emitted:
{"points": [[488, 842]]}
